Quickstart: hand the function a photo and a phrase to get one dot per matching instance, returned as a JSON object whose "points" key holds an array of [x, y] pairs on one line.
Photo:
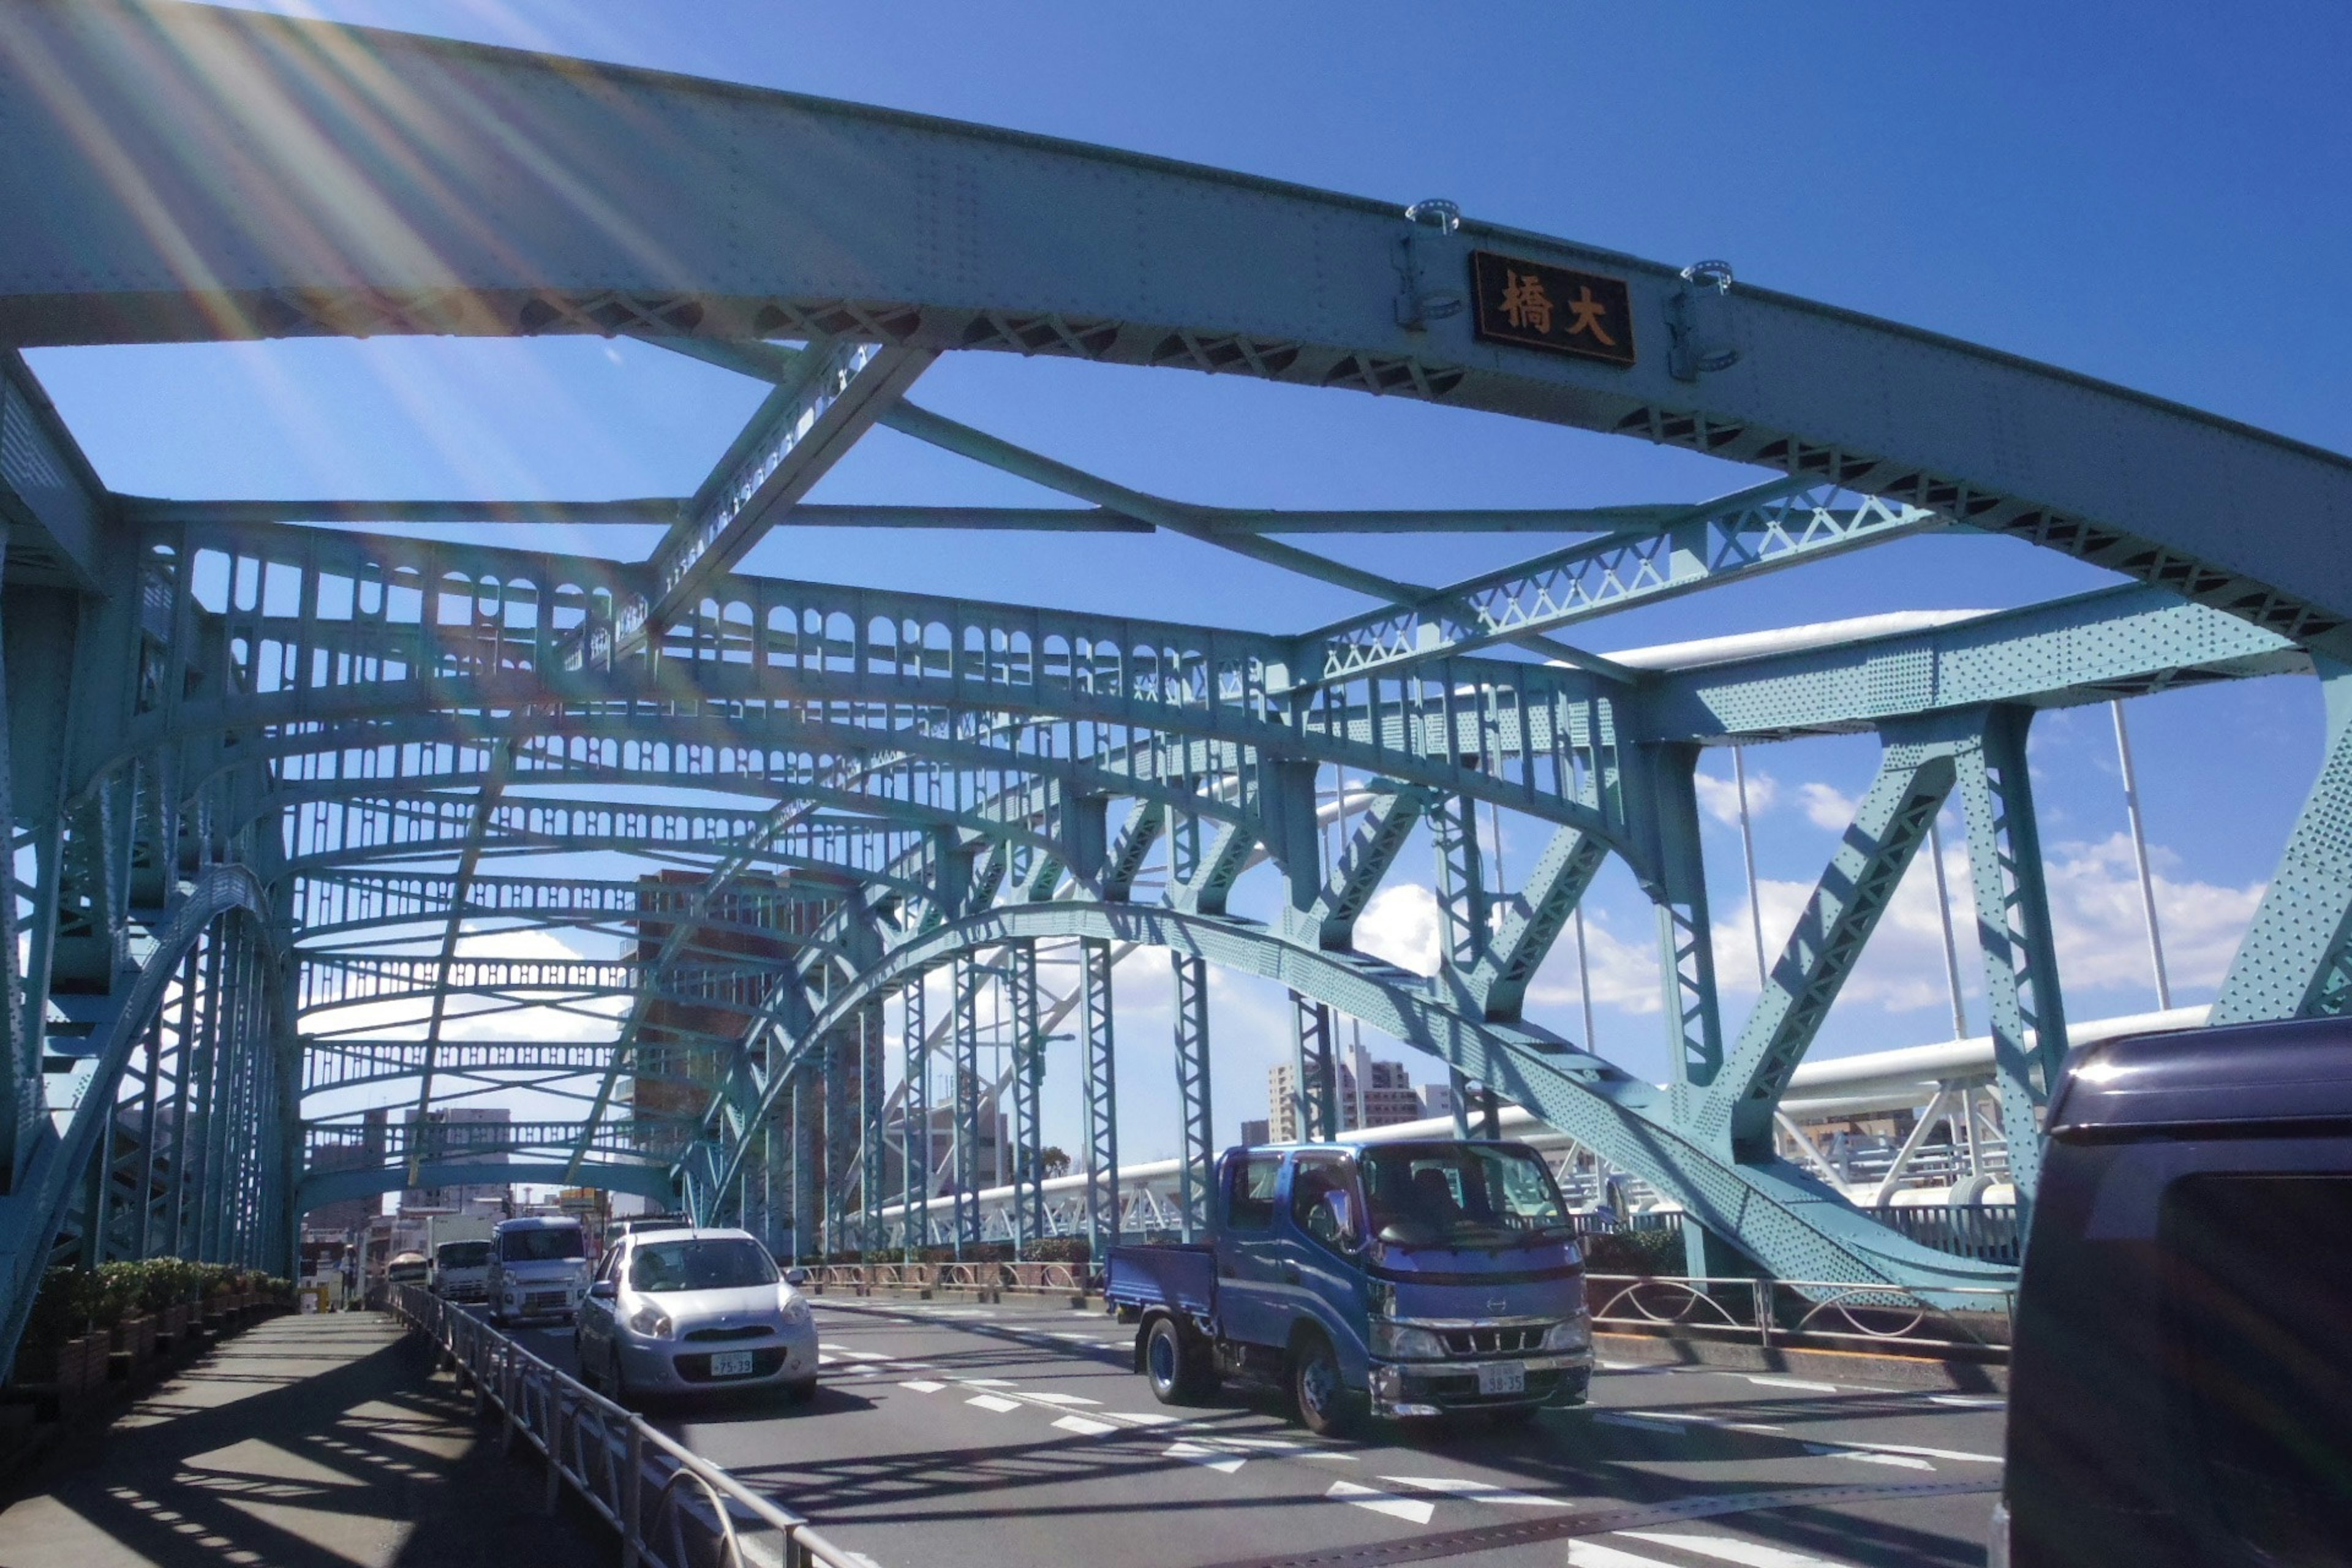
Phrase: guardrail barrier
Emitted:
{"points": [[673, 1508]]}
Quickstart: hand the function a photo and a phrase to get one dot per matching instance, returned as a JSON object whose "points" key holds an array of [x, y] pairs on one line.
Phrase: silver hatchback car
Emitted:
{"points": [[686, 1312]]}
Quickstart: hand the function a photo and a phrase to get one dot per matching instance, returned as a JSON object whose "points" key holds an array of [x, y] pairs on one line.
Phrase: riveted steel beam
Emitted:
{"points": [[1889, 825]]}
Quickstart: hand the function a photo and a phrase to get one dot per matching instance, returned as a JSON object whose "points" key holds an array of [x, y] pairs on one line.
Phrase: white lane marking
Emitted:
{"points": [[1476, 1491], [1592, 1554], [1284, 1445], [1334, 1459], [1084, 1427], [991, 1401], [1379, 1501], [1215, 1458], [1913, 1449], [1143, 1417], [1970, 1401], [923, 1385], [1060, 1399], [1723, 1549], [1868, 1457], [1794, 1383], [986, 1382], [1643, 1422]]}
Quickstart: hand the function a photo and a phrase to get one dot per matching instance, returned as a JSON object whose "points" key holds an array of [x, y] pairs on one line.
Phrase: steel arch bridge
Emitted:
{"points": [[267, 769]]}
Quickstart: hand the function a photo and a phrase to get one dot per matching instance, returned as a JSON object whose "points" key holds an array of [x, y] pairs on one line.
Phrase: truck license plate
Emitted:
{"points": [[737, 1363], [1503, 1377]]}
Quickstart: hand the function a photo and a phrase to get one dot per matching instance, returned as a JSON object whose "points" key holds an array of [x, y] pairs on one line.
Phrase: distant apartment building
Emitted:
{"points": [[1390, 1096], [458, 1135]]}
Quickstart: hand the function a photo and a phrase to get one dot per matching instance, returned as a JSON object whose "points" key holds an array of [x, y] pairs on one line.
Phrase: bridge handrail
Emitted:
{"points": [[1972, 1319], [672, 1508], [1023, 1277]]}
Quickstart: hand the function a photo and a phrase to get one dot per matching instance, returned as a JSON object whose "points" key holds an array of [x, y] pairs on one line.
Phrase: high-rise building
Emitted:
{"points": [[1389, 1098], [458, 1135]]}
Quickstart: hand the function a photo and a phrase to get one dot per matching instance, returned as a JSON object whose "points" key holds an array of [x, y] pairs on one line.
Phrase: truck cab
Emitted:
{"points": [[461, 1270], [1409, 1279]]}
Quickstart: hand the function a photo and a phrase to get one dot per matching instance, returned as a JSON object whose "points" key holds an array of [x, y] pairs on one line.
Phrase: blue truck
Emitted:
{"points": [[1406, 1280]]}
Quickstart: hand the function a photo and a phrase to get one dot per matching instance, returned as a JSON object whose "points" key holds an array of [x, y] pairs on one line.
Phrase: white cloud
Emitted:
{"points": [[2094, 910], [1400, 925], [1719, 796], [1825, 807]]}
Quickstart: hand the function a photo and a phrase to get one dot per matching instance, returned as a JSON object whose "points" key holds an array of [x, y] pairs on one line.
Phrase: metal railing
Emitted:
{"points": [[672, 1508], [1794, 1313], [1026, 1278]]}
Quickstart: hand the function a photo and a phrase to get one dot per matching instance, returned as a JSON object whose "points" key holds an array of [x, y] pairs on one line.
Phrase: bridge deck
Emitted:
{"points": [[311, 1442], [1017, 1432]]}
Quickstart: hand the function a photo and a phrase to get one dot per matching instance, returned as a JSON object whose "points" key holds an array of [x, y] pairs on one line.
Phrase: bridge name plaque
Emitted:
{"points": [[1541, 307]]}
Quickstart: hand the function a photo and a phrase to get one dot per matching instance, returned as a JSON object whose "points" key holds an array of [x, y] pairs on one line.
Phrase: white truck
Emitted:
{"points": [[460, 1246]]}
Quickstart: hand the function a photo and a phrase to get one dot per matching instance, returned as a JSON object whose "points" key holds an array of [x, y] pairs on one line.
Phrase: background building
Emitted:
{"points": [[1388, 1097]]}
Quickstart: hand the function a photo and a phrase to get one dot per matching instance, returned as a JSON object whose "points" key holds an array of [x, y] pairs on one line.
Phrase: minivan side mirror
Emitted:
{"points": [[604, 1290], [797, 1277]]}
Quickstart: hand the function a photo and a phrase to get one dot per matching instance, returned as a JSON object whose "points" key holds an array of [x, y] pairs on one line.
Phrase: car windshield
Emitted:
{"points": [[720, 1265], [540, 1244], [1461, 1194], [466, 1254]]}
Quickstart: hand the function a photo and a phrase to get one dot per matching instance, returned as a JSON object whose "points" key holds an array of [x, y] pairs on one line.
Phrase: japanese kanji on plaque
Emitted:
{"points": [[1541, 307]]}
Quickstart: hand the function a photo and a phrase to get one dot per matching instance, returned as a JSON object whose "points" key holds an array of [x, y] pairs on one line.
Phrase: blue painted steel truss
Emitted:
{"points": [[272, 780]]}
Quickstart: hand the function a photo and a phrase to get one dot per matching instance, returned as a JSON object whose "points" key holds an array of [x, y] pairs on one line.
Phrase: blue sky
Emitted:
{"points": [[2147, 194]]}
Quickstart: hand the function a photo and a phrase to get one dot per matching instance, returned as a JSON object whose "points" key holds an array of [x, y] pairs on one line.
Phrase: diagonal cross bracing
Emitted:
{"points": [[830, 396], [494, 783], [1762, 529]]}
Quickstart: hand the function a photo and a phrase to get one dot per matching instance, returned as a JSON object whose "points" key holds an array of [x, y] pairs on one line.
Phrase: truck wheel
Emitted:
{"points": [[1325, 1405], [1178, 1365]]}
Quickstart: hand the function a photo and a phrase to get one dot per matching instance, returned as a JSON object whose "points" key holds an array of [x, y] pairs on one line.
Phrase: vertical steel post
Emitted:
{"points": [[2027, 1017], [1315, 1071], [805, 1156], [1028, 1086], [2139, 859], [971, 976], [1944, 918], [1102, 1099], [915, 1124], [841, 1076], [1197, 1149], [873, 1096]]}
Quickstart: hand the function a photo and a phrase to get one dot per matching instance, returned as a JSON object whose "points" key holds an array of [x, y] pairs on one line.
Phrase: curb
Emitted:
{"points": [[1830, 1365]]}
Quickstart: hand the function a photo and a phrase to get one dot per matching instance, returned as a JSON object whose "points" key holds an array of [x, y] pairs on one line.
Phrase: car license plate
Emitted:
{"points": [[730, 1363], [1503, 1377]]}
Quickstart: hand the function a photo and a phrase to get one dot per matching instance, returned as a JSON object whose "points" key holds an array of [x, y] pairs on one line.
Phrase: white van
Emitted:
{"points": [[539, 1268]]}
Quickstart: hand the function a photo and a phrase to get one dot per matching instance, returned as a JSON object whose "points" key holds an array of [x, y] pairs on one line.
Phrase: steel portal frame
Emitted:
{"points": [[264, 770]]}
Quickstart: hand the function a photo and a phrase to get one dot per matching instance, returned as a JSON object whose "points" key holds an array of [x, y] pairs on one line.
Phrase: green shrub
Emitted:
{"points": [[1059, 1249]]}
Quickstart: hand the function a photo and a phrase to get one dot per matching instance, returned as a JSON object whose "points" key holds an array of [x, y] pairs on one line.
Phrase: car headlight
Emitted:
{"points": [[1404, 1342], [794, 1310], [1568, 1334], [651, 1321]]}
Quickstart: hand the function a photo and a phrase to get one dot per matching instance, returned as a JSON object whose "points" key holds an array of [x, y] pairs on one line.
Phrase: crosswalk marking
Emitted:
{"points": [[1794, 1383], [923, 1385], [1379, 1501], [1214, 1459], [1594, 1554], [1723, 1549], [1084, 1426], [1970, 1401], [1868, 1457], [993, 1402], [1476, 1491], [986, 1382], [1062, 1398]]}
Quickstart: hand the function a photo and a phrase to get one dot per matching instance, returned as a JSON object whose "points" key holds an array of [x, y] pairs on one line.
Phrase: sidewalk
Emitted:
{"points": [[305, 1442]]}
